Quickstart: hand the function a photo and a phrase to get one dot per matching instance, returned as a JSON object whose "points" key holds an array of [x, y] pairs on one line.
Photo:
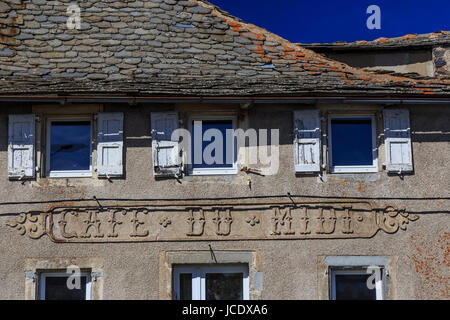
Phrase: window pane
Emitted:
{"points": [[227, 148], [56, 289], [353, 287], [185, 286], [70, 145], [352, 142], [224, 286]]}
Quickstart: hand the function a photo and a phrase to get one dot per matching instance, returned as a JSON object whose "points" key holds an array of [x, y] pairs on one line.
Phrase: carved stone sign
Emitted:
{"points": [[239, 222]]}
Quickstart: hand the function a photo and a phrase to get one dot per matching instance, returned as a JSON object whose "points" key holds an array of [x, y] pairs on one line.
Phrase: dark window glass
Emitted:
{"points": [[224, 286], [186, 286], [70, 145], [227, 148], [351, 142], [353, 287], [56, 289]]}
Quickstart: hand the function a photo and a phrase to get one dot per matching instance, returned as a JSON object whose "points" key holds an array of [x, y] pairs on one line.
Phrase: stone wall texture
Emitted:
{"points": [[289, 267]]}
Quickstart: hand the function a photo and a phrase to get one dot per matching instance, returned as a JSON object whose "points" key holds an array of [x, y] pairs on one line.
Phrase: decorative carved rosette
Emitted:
{"points": [[33, 224], [390, 219]]}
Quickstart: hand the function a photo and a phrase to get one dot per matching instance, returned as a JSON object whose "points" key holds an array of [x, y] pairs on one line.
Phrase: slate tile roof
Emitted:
{"points": [[434, 39], [171, 48]]}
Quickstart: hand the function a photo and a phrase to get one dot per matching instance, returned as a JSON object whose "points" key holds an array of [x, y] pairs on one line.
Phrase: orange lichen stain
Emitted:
{"points": [[410, 36], [432, 262], [361, 187], [426, 90], [234, 25], [286, 48]]}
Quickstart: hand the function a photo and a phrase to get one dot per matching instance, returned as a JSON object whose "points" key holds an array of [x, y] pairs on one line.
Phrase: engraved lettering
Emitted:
{"points": [[200, 222], [136, 223], [282, 217], [220, 221], [94, 222]]}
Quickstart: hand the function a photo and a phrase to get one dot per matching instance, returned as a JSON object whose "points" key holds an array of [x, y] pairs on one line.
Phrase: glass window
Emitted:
{"points": [[211, 282], [185, 286], [213, 147], [224, 286], [54, 286], [352, 144], [355, 285], [69, 148]]}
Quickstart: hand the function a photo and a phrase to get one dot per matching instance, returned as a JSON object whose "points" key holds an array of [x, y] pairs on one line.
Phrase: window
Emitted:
{"points": [[69, 148], [53, 286], [213, 146], [203, 282], [356, 285], [352, 141]]}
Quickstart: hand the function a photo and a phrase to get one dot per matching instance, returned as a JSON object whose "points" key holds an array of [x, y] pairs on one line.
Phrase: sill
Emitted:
{"points": [[212, 172], [69, 174], [354, 169]]}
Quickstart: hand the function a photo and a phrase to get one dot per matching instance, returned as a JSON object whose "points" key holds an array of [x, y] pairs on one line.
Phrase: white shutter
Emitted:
{"points": [[307, 146], [397, 140], [21, 140], [165, 148], [110, 144]]}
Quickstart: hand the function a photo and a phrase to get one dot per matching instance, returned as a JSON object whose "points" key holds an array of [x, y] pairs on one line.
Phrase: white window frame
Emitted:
{"points": [[67, 173], [212, 171], [356, 271], [353, 169], [43, 276], [199, 278]]}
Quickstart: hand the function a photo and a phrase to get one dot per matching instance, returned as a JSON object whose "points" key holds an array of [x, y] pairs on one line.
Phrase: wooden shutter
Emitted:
{"points": [[165, 148], [307, 146], [397, 139], [110, 144], [21, 141]]}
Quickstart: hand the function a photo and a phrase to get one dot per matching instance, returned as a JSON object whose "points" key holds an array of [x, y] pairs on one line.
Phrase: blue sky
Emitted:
{"points": [[310, 21]]}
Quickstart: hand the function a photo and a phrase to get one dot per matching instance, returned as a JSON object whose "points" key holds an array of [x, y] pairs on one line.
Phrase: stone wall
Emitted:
{"points": [[289, 268], [441, 59]]}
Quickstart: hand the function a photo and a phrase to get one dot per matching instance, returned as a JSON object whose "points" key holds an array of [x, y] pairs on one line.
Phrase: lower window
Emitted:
{"points": [[356, 285], [204, 282], [60, 286]]}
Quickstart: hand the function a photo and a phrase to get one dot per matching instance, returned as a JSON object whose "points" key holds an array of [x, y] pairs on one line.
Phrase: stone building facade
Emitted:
{"points": [[351, 180]]}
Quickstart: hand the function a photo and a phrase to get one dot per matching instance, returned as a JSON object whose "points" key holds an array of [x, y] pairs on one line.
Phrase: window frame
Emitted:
{"points": [[199, 278], [44, 275], [355, 271], [67, 173], [352, 168], [212, 171]]}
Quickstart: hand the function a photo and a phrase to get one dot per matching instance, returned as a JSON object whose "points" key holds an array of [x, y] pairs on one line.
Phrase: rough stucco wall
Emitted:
{"points": [[401, 61], [289, 267]]}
